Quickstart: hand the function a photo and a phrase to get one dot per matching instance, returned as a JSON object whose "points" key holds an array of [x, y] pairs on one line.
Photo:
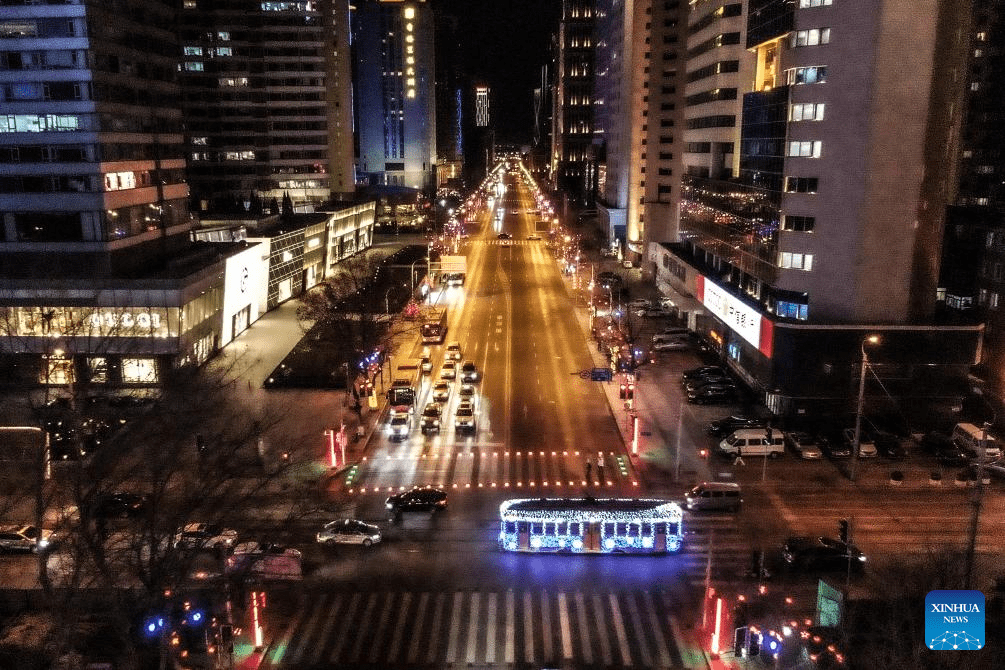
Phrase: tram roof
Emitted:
{"points": [[588, 506]]}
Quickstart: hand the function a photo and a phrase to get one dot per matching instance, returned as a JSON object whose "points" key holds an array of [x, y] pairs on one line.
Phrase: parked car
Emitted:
{"points": [[449, 370], [701, 371], [418, 499], [672, 336], [698, 382], [678, 344], [205, 536], [533, 237], [821, 553], [834, 447], [469, 372], [119, 505], [348, 531], [464, 418], [505, 236], [426, 365], [866, 446], [729, 424], [25, 538], [889, 445], [654, 313], [803, 445], [714, 393], [639, 303], [609, 279]]}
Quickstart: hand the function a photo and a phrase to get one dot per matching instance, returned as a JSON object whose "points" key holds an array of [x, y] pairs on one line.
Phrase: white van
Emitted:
{"points": [[714, 496], [754, 442], [970, 438]]}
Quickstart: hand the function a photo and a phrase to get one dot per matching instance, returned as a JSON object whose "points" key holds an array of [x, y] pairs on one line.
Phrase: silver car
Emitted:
{"points": [[348, 531], [464, 417], [24, 538]]}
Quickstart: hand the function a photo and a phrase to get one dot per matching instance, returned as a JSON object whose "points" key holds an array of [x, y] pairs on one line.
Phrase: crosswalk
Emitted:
{"points": [[508, 243], [498, 628], [474, 465]]}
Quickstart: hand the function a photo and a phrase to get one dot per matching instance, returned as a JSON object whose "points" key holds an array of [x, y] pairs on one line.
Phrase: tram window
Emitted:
{"points": [[647, 529], [522, 526], [621, 529], [574, 528], [673, 528], [632, 530], [537, 528], [609, 529], [661, 528], [511, 527], [563, 527], [549, 528]]}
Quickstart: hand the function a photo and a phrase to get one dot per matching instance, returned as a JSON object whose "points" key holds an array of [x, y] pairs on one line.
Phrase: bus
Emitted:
{"points": [[434, 326], [591, 525]]}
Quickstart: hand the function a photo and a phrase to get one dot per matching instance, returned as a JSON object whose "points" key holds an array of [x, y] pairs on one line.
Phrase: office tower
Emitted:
{"points": [[394, 92], [450, 87], [635, 109], [482, 106], [572, 118], [266, 91], [826, 228]]}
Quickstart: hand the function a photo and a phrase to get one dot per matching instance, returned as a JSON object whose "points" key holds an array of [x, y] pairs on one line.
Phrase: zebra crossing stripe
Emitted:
{"points": [[605, 645], [385, 616], [563, 620], [528, 627], [333, 616], [490, 632], [546, 624], [473, 628], [399, 630], [420, 616], [314, 621], [344, 633], [279, 650], [434, 633], [633, 612], [585, 637], [619, 629], [364, 625], [455, 627], [654, 621], [509, 652]]}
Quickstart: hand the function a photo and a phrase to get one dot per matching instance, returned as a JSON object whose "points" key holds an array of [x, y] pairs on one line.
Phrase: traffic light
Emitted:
{"points": [[627, 390], [843, 530]]}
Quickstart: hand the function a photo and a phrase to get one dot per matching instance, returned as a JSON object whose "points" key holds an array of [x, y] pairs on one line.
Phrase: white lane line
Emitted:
{"points": [[619, 629], [633, 611], [420, 616], [509, 653], [528, 629], [434, 634], [584, 631], [472, 619], [364, 625], [605, 645], [307, 633], [655, 625], [546, 625], [490, 631], [333, 616], [344, 632], [563, 620], [399, 630], [455, 627]]}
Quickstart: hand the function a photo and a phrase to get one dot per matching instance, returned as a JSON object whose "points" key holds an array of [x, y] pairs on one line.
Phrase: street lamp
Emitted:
{"points": [[871, 339], [411, 272]]}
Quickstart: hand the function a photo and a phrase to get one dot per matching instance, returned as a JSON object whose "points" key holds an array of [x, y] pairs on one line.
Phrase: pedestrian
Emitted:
{"points": [[600, 468], [589, 466]]}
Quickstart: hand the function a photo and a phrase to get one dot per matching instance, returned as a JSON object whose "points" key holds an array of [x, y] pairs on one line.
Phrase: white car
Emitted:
{"points": [[449, 370], [348, 531], [866, 447], [441, 392], [464, 417], [454, 351], [24, 538], [466, 393], [205, 536], [804, 445], [671, 345], [399, 427]]}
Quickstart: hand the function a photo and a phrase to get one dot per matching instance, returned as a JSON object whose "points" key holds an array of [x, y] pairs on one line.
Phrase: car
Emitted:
{"points": [[866, 447], [119, 505], [698, 382], [702, 371], [674, 334], [533, 237], [466, 393], [469, 372], [430, 420], [821, 553], [441, 391], [247, 554], [679, 344], [639, 303], [418, 499], [449, 370], [627, 264], [504, 236], [399, 426], [713, 393], [464, 417], [730, 424], [348, 531], [654, 313], [609, 279], [195, 536], [888, 445], [514, 211], [24, 537], [803, 445], [426, 365], [834, 448], [454, 351]]}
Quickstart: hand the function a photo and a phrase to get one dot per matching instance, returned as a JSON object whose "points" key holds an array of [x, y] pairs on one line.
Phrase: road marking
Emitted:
{"points": [[307, 633], [434, 634], [605, 645], [546, 625], [280, 649], [333, 616], [528, 629], [655, 625], [455, 626], [399, 630], [473, 627], [420, 614], [364, 624], [619, 629], [563, 620], [633, 611], [490, 631], [510, 628], [385, 616], [583, 630], [344, 633], [790, 518]]}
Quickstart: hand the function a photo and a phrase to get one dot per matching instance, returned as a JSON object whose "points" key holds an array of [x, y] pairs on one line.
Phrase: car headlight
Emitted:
{"points": [[389, 505], [862, 558], [42, 543]]}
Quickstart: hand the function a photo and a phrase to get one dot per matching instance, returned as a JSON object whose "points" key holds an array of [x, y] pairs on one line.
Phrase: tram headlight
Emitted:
{"points": [[647, 542], [609, 543], [511, 545], [577, 544], [535, 542]]}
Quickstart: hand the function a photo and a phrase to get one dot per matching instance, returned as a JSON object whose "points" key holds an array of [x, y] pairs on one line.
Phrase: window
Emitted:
{"points": [[806, 75], [807, 111], [803, 4], [795, 261], [792, 310], [801, 184], [139, 370], [809, 38], [193, 67], [800, 224], [810, 149], [193, 51]]}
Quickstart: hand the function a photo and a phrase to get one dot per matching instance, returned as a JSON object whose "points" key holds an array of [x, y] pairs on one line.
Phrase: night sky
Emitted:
{"points": [[505, 43]]}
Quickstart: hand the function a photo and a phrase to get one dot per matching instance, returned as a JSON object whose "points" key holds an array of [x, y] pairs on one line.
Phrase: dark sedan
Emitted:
{"points": [[419, 499], [713, 393], [821, 553], [701, 371], [729, 424], [119, 506]]}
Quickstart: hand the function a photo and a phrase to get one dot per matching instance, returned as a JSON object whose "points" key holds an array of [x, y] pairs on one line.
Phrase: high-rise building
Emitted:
{"points": [[394, 92], [450, 86], [266, 91], [635, 108], [572, 118], [820, 222], [482, 106]]}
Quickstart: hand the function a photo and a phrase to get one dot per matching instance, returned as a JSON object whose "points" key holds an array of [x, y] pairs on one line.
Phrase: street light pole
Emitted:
{"points": [[871, 339], [977, 502]]}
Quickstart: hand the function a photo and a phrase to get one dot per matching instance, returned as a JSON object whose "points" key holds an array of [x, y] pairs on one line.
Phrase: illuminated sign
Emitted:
{"points": [[739, 316]]}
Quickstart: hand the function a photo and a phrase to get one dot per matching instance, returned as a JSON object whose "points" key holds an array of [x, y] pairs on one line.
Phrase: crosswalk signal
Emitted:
{"points": [[843, 530], [623, 392], [630, 391]]}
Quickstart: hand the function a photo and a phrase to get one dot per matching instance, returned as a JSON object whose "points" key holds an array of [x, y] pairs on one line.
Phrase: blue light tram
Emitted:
{"points": [[591, 525]]}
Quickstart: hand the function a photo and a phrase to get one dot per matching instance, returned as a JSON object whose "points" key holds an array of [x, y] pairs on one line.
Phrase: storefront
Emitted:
{"points": [[245, 290]]}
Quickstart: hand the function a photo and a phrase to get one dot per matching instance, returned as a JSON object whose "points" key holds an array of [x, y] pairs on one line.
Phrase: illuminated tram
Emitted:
{"points": [[591, 525]]}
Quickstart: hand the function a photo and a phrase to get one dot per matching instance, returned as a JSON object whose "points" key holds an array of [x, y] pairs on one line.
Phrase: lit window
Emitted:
{"points": [[224, 51], [975, 86], [807, 111], [810, 38], [139, 370], [193, 67], [193, 51], [806, 149], [803, 4], [224, 36]]}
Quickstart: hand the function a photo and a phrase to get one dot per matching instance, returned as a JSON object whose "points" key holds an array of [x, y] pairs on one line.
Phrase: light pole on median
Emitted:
{"points": [[871, 339], [411, 272]]}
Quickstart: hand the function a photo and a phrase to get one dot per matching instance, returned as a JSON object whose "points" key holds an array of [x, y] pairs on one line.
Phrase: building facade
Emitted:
{"points": [[394, 92]]}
